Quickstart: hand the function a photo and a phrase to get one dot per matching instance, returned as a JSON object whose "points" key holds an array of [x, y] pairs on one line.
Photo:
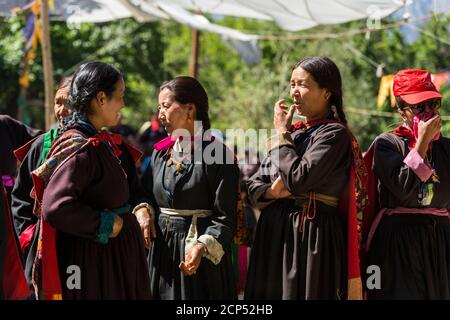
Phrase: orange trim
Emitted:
{"points": [[306, 210]]}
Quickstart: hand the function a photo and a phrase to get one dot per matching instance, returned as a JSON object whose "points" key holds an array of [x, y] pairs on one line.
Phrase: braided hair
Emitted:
{"points": [[89, 79], [327, 75]]}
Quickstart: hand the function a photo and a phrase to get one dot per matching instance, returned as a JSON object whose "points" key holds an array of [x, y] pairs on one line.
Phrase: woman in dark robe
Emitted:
{"points": [[406, 230], [31, 156], [196, 188], [89, 240], [304, 248], [13, 134]]}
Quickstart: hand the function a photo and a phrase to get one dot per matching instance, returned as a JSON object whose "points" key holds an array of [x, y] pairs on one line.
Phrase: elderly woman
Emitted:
{"points": [[90, 245], [32, 155], [406, 230], [306, 243], [196, 192]]}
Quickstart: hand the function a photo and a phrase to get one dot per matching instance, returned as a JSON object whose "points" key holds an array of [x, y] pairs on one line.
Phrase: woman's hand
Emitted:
{"points": [[117, 226], [277, 190], [282, 117], [427, 131], [144, 218], [430, 128], [193, 259]]}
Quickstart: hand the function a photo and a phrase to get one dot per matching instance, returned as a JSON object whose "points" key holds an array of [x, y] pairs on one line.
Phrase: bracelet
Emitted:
{"points": [[144, 205]]}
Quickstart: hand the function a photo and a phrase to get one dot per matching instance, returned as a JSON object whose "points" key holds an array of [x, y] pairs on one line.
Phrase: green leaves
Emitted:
{"points": [[240, 96]]}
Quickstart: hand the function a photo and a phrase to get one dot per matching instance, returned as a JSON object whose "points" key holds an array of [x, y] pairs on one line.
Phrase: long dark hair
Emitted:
{"points": [[189, 90], [326, 73], [89, 79]]}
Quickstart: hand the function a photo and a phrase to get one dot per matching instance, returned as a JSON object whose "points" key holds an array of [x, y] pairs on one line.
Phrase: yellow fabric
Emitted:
{"points": [[32, 44], [56, 297], [37, 35], [36, 7], [15, 10], [324, 198], [31, 55], [392, 97], [24, 80], [385, 90], [354, 291]]}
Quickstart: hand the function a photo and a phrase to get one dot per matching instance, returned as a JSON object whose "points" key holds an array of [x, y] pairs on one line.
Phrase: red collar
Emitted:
{"points": [[309, 124], [169, 142], [405, 132], [113, 140]]}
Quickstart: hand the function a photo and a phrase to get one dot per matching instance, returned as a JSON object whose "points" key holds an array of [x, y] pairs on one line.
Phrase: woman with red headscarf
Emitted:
{"points": [[406, 227]]}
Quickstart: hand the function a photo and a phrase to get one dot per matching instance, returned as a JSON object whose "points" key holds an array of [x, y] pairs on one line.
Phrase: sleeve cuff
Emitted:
{"points": [[417, 164], [278, 140], [106, 227], [214, 251], [145, 205]]}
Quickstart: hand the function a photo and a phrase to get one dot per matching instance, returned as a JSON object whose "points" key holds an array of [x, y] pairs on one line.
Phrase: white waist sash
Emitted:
{"points": [[213, 247]]}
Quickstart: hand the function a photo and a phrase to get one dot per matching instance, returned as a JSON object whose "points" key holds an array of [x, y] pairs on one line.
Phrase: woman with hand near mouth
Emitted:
{"points": [[406, 227], [191, 257], [306, 239]]}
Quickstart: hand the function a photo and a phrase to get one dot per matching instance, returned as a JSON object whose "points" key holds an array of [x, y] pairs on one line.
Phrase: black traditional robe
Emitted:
{"points": [[21, 201], [13, 135], [199, 186], [411, 250], [287, 262], [3, 236]]}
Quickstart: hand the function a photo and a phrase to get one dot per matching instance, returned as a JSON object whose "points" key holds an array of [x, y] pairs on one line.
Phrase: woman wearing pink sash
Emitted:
{"points": [[406, 227]]}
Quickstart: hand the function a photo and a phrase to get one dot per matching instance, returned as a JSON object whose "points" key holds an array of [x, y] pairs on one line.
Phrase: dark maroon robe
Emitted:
{"points": [[89, 182]]}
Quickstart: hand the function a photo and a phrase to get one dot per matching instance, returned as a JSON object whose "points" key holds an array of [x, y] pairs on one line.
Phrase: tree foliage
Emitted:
{"points": [[241, 96]]}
